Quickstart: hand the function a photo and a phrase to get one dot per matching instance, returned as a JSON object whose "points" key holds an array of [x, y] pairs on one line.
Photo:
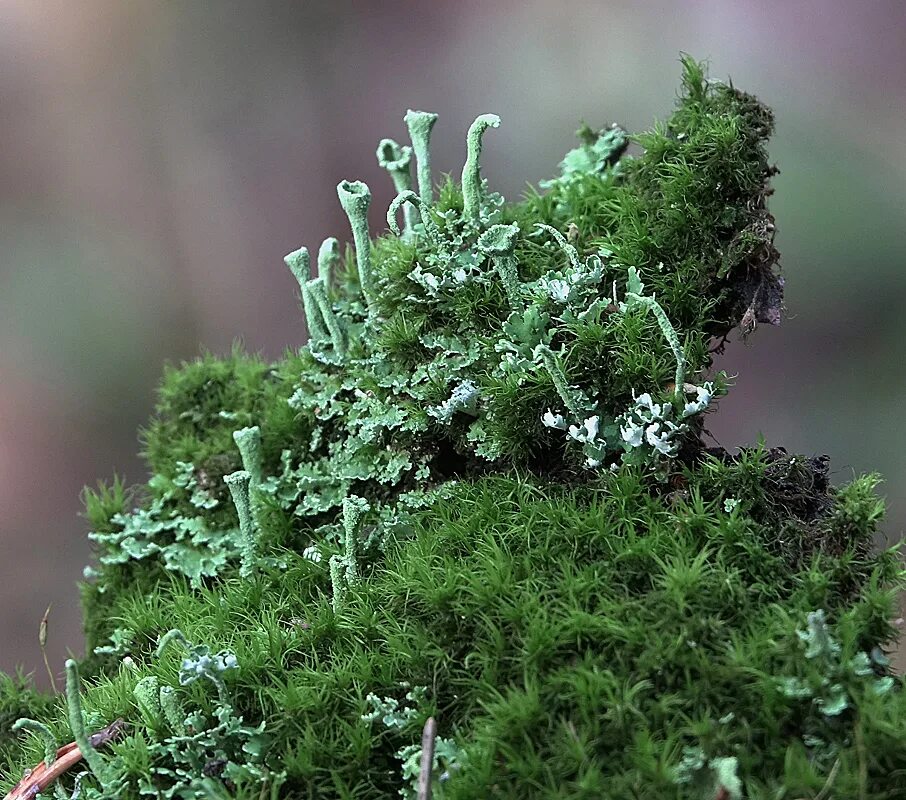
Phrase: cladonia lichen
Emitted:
{"points": [[480, 501]]}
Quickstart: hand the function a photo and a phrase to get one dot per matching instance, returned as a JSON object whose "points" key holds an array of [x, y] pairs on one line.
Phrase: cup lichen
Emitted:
{"points": [[478, 507]]}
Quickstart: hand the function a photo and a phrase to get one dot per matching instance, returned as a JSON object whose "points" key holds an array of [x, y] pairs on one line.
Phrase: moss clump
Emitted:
{"points": [[479, 494]]}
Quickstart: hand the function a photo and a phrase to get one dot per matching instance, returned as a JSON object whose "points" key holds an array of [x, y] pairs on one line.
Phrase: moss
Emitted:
{"points": [[484, 498]]}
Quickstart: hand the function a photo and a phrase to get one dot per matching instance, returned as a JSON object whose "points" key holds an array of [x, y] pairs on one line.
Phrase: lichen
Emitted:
{"points": [[484, 476]]}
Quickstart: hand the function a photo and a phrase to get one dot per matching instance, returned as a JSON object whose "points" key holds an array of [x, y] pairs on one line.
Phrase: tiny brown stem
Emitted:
{"points": [[42, 640]]}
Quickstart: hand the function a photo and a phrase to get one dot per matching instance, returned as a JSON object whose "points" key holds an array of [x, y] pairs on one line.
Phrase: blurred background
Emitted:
{"points": [[157, 160]]}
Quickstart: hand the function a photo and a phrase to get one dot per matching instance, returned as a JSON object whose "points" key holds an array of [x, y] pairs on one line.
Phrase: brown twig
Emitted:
{"points": [[42, 776], [42, 640], [426, 768]]}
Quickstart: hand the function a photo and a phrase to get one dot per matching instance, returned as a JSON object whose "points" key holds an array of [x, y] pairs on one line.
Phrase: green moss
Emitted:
{"points": [[483, 496]]}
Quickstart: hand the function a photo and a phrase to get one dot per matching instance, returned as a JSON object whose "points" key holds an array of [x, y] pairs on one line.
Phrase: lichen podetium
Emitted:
{"points": [[473, 522]]}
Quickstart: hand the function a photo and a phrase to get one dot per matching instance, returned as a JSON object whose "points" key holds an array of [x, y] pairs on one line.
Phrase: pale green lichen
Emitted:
{"points": [[355, 198], [172, 709], [187, 545], [338, 581], [448, 756], [120, 641], [186, 478], [239, 483], [147, 697], [318, 290], [709, 777], [328, 259], [248, 440], [44, 733], [396, 159], [195, 747], [498, 243], [547, 605], [354, 510], [408, 199], [830, 683], [463, 399], [299, 264], [598, 153], [420, 124], [93, 758], [471, 171], [199, 662], [635, 299], [554, 368]]}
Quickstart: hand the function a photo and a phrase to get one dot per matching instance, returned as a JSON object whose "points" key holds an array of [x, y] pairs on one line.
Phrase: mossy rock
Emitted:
{"points": [[480, 496]]}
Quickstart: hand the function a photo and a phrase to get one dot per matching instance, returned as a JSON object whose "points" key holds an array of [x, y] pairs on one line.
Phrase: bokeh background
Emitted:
{"points": [[158, 159]]}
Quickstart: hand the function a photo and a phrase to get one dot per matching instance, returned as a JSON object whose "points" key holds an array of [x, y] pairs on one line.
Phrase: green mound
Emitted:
{"points": [[477, 506]]}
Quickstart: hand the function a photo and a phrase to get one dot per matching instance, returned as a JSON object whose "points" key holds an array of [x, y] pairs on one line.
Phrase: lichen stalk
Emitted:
{"points": [[299, 264], [147, 696], [554, 368], [498, 243], [396, 159], [408, 199], [328, 258], [355, 197], [571, 252], [471, 171], [239, 483], [318, 291], [77, 723], [354, 509], [635, 297], [172, 710], [43, 732], [248, 440], [420, 124], [337, 581], [172, 635]]}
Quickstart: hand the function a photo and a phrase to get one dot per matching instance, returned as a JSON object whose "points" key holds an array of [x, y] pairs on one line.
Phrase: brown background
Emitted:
{"points": [[157, 160]]}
